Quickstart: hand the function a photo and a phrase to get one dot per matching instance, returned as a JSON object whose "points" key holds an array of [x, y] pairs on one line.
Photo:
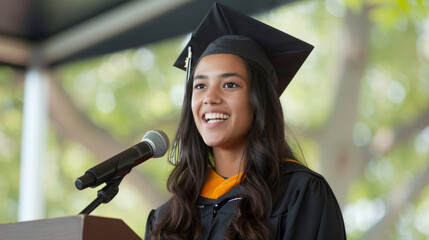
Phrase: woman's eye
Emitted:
{"points": [[230, 85], [200, 86]]}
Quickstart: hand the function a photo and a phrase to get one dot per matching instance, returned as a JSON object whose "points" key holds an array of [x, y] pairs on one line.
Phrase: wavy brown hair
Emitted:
{"points": [[265, 149]]}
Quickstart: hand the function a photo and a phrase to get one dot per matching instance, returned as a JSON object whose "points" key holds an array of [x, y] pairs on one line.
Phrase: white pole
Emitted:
{"points": [[33, 145]]}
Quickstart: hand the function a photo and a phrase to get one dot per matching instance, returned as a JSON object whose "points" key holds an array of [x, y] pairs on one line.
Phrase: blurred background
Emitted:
{"points": [[359, 107]]}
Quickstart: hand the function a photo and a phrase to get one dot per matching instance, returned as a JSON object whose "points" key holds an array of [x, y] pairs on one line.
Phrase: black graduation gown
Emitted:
{"points": [[305, 208]]}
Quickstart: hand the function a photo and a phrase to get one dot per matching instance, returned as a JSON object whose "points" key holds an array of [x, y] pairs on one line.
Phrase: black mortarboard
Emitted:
{"points": [[274, 50]]}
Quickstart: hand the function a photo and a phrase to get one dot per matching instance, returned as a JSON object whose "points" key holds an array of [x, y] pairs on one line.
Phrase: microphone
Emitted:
{"points": [[153, 144]]}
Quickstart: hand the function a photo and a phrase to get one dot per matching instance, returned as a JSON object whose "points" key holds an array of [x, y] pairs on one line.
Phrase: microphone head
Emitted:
{"points": [[159, 142]]}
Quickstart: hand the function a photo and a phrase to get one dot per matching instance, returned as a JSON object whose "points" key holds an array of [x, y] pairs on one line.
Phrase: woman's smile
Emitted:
{"points": [[215, 117]]}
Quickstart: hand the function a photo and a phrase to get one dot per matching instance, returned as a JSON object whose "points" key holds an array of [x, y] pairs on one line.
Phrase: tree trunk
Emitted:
{"points": [[341, 161]]}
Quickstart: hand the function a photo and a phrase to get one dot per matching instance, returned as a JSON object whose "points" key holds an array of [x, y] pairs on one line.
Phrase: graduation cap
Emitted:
{"points": [[225, 30]]}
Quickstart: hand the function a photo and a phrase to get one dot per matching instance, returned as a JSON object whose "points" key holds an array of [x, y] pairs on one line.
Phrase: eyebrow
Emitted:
{"points": [[223, 75]]}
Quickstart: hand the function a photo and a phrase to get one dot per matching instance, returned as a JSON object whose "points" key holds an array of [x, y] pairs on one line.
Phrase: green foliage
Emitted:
{"points": [[132, 88], [10, 136], [388, 13]]}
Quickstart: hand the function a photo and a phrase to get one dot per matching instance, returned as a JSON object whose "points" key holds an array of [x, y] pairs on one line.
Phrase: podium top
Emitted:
{"points": [[81, 227]]}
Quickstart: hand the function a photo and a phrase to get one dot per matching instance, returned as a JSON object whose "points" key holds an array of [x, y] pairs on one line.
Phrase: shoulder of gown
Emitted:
{"points": [[154, 218], [305, 206]]}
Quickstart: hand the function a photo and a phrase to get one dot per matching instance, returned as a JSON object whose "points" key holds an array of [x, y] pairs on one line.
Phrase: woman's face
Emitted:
{"points": [[220, 101]]}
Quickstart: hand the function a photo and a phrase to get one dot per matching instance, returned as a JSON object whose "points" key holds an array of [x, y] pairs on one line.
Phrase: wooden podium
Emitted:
{"points": [[81, 227]]}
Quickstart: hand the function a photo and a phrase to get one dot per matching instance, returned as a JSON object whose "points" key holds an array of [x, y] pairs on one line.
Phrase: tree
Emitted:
{"points": [[343, 158]]}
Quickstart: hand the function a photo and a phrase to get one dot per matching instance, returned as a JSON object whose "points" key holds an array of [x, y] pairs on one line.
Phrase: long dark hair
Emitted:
{"points": [[265, 149]]}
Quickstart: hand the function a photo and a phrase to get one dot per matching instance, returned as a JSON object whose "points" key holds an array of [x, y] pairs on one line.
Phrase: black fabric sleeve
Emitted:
{"points": [[312, 210], [149, 224]]}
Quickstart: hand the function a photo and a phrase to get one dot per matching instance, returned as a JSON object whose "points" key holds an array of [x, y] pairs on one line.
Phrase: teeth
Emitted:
{"points": [[216, 117]]}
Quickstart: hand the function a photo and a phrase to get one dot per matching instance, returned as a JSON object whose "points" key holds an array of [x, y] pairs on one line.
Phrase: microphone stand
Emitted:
{"points": [[104, 195]]}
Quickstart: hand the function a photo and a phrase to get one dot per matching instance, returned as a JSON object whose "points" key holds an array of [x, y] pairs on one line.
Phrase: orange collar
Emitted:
{"points": [[216, 186], [292, 160]]}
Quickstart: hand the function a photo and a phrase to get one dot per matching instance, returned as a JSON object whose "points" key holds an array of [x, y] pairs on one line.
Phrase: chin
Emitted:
{"points": [[211, 142]]}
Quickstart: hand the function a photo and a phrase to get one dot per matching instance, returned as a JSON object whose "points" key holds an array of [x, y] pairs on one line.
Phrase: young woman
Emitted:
{"points": [[235, 176]]}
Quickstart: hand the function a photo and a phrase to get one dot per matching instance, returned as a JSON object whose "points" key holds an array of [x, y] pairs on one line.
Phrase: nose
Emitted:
{"points": [[212, 96]]}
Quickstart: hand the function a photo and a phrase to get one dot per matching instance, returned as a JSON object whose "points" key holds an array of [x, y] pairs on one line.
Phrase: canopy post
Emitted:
{"points": [[33, 144]]}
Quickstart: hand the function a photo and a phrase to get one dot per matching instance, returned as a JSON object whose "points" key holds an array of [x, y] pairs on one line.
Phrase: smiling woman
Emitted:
{"points": [[235, 176], [222, 110]]}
